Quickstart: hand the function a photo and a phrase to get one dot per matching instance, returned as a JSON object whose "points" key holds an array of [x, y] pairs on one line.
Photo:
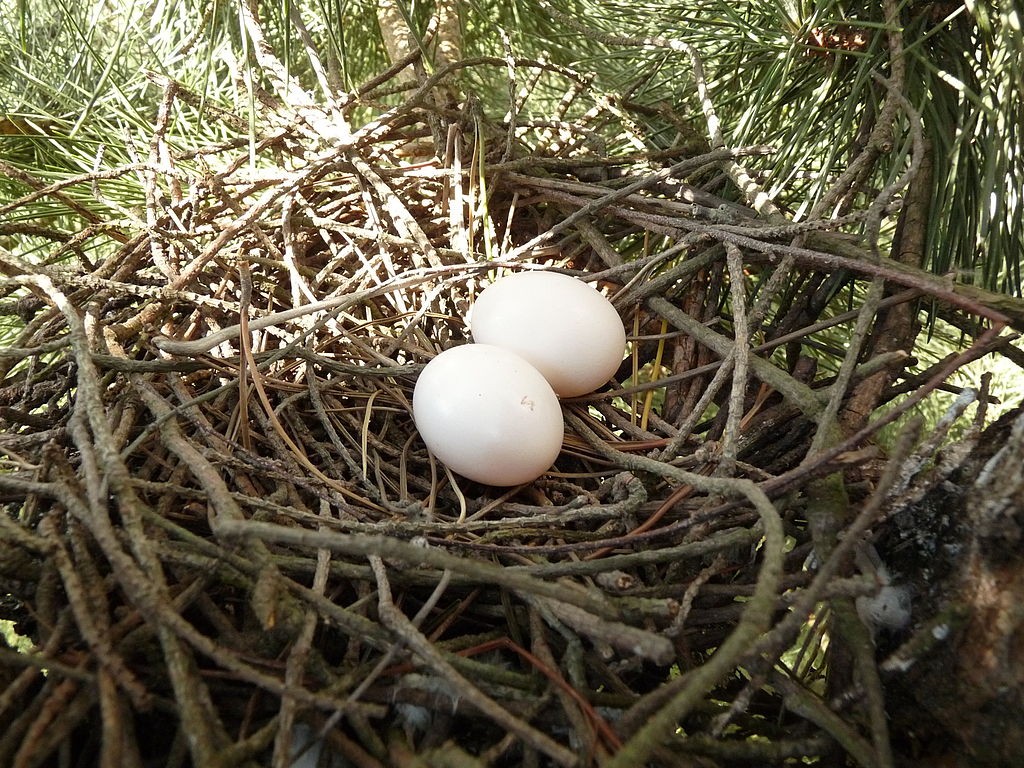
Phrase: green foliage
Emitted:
{"points": [[1006, 388], [797, 75], [12, 638], [793, 74]]}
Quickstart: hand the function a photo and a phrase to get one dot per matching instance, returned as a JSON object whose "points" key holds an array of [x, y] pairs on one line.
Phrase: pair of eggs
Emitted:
{"points": [[489, 410]]}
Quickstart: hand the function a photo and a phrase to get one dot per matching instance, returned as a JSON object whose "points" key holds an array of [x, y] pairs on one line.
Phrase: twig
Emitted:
{"points": [[399, 624]]}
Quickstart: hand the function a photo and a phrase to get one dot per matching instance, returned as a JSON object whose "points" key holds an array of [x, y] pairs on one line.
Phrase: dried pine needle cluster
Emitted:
{"points": [[222, 533]]}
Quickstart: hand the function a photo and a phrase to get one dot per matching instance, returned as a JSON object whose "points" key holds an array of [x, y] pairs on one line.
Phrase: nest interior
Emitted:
{"points": [[223, 535]]}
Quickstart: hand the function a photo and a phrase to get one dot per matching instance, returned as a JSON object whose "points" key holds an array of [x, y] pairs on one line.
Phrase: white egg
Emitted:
{"points": [[564, 327], [488, 414]]}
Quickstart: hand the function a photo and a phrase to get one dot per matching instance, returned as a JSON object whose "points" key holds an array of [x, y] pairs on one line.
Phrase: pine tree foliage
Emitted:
{"points": [[798, 75], [233, 233]]}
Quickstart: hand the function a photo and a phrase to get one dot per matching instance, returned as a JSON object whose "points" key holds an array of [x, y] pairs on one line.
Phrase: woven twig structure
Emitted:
{"points": [[222, 533]]}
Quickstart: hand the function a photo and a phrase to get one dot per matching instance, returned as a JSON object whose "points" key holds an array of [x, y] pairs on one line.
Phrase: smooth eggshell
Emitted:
{"points": [[488, 414], [564, 327]]}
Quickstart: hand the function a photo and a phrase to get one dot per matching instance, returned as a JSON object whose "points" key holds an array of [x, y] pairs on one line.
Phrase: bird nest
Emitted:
{"points": [[225, 542]]}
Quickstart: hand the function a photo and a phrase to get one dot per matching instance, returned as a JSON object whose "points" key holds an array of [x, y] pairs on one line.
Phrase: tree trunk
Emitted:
{"points": [[956, 686]]}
